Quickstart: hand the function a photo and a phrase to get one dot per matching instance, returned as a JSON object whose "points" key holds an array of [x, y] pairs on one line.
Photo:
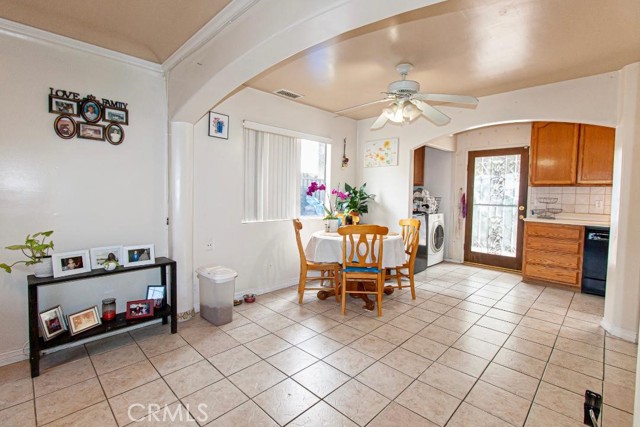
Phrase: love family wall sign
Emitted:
{"points": [[103, 118]]}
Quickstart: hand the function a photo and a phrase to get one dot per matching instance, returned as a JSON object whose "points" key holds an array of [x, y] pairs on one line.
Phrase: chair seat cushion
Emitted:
{"points": [[361, 270]]}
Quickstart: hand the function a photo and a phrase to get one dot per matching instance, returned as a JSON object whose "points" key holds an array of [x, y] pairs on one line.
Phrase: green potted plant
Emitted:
{"points": [[36, 249], [357, 200]]}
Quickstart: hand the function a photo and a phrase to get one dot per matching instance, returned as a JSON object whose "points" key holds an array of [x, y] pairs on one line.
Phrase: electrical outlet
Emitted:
{"points": [[209, 246], [598, 204]]}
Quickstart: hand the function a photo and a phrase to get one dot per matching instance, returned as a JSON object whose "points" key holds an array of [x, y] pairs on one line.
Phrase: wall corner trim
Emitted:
{"points": [[618, 332]]}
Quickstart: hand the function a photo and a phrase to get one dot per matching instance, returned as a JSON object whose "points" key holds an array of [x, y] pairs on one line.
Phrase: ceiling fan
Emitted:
{"points": [[407, 103]]}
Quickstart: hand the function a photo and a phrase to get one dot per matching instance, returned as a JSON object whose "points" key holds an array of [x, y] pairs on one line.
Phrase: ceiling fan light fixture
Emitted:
{"points": [[410, 112]]}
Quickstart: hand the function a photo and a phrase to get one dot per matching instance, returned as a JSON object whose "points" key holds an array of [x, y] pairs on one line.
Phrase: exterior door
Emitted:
{"points": [[496, 206]]}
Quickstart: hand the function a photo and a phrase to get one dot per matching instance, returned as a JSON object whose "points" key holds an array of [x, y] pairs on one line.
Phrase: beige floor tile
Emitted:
{"points": [[460, 314], [275, 322], [322, 415], [582, 336], [498, 402], [507, 316], [175, 359], [513, 308], [344, 334], [68, 400], [124, 379], [539, 416], [234, 360], [577, 363], [473, 307], [22, 415], [619, 376], [619, 397], [590, 327], [408, 323], [620, 360], [246, 414], [448, 380], [587, 317], [530, 348], [108, 344], [363, 323], [15, 371], [580, 349], [247, 333], [463, 362], [455, 325], [548, 308], [372, 346], [320, 323], [161, 344], [489, 335], [397, 415], [512, 381], [279, 305], [292, 360], [213, 401], [298, 314], [520, 362], [335, 313], [257, 378], [478, 299], [321, 378], [406, 362], [546, 315], [214, 342], [424, 347], [320, 346], [172, 415], [571, 380], [560, 400], [435, 307], [192, 378], [476, 347], [422, 314], [540, 325], [438, 334], [285, 401], [468, 415], [429, 402], [154, 330], [61, 357], [385, 380], [534, 335], [496, 324], [349, 361], [63, 376], [295, 334], [136, 403], [357, 401], [392, 334], [443, 299], [612, 417], [238, 320], [320, 306], [96, 415], [15, 392], [118, 358], [256, 312], [268, 345], [621, 346]]}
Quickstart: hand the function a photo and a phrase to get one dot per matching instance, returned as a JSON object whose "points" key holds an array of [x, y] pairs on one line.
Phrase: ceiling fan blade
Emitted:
{"points": [[380, 121], [442, 97], [362, 105], [433, 114]]}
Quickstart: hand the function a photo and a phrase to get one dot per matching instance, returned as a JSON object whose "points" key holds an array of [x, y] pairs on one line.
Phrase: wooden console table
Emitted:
{"points": [[37, 344]]}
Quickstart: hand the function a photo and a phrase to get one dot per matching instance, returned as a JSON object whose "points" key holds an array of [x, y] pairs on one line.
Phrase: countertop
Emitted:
{"points": [[576, 219]]}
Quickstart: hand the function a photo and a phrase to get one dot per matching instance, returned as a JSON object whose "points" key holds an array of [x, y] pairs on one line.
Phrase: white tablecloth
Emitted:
{"points": [[327, 247]]}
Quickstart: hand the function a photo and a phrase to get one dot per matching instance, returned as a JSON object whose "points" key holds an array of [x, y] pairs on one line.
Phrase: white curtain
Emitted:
{"points": [[271, 176]]}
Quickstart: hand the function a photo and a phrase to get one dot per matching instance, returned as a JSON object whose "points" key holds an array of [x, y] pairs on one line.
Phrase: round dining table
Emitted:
{"points": [[326, 246]]}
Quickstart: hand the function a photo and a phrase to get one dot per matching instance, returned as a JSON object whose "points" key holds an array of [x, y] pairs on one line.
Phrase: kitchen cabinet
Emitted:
{"points": [[553, 253], [571, 154], [418, 166]]}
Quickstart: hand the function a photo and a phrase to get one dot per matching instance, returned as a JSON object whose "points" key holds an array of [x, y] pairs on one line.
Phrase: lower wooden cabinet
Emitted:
{"points": [[553, 253]]}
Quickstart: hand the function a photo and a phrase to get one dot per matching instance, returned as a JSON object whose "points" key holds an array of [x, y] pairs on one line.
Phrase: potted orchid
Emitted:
{"points": [[356, 200], [332, 221]]}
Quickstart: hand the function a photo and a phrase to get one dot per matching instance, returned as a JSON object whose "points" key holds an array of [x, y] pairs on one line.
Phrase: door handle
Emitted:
{"points": [[520, 216]]}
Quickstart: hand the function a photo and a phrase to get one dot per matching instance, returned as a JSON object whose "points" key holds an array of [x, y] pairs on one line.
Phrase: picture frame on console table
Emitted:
{"points": [[139, 309], [84, 320], [100, 255], [70, 263], [52, 322], [138, 255]]}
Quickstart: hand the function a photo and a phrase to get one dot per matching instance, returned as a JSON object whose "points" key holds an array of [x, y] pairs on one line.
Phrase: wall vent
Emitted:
{"points": [[287, 94]]}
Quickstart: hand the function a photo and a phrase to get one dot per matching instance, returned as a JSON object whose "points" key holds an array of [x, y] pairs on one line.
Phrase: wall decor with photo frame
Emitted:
{"points": [[88, 117]]}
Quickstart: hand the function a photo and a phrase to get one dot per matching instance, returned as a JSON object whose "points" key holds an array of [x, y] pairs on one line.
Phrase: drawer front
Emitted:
{"points": [[566, 232], [552, 274], [565, 261], [547, 244]]}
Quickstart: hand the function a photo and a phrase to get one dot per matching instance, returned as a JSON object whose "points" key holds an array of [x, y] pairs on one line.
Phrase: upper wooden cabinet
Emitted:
{"points": [[571, 154], [418, 166], [595, 155]]}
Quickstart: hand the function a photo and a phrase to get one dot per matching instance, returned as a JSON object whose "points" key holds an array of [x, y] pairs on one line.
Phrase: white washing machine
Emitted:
{"points": [[435, 239]]}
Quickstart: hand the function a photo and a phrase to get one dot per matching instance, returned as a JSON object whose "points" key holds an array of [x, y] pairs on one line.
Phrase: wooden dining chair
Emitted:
{"points": [[328, 271], [362, 250], [411, 238]]}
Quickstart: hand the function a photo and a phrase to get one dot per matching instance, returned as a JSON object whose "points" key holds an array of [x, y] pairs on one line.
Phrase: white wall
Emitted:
{"points": [[264, 254], [438, 175], [91, 193]]}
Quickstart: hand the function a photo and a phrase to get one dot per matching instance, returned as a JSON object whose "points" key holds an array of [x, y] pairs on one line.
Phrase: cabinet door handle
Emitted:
{"points": [[520, 208], [520, 216]]}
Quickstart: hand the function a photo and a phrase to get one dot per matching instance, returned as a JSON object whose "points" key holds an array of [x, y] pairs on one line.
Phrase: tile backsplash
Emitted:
{"points": [[587, 200]]}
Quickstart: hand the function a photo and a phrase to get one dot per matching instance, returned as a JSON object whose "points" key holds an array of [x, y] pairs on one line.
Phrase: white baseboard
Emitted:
{"points": [[12, 356], [616, 331]]}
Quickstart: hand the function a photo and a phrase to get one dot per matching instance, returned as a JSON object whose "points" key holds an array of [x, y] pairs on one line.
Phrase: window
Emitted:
{"points": [[278, 169]]}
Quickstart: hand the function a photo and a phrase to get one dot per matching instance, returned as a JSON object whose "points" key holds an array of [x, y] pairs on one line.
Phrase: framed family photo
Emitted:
{"points": [[52, 323], [70, 263], [139, 309], [138, 255], [106, 253], [65, 126], [84, 320], [58, 105], [91, 111], [218, 125], [90, 131], [114, 134], [116, 115]]}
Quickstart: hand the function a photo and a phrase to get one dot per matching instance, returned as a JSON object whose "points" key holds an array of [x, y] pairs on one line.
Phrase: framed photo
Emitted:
{"points": [[156, 293], [90, 131], [383, 152], [218, 125], [65, 127], [106, 253], [114, 134], [138, 255], [90, 110], [116, 115], [58, 105], [139, 309], [70, 263], [52, 322], [84, 320]]}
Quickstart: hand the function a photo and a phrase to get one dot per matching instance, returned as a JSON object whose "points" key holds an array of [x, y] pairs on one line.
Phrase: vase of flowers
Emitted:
{"points": [[332, 221], [356, 201]]}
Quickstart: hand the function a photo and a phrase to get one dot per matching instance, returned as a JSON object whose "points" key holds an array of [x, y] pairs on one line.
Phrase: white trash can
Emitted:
{"points": [[217, 287]]}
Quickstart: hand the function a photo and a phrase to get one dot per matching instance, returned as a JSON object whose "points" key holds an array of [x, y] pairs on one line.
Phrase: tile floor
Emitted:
{"points": [[477, 348]]}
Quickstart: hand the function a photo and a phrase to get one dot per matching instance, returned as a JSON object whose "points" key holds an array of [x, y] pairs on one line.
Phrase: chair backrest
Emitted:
{"points": [[297, 226], [362, 245], [410, 237]]}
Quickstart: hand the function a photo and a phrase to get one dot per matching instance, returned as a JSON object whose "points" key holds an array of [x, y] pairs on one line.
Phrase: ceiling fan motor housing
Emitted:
{"points": [[404, 87]]}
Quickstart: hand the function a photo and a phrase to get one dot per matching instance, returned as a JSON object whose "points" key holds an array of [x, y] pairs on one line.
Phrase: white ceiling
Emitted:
{"points": [[468, 47]]}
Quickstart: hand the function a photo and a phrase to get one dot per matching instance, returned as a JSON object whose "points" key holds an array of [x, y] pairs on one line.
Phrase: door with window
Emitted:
{"points": [[496, 207]]}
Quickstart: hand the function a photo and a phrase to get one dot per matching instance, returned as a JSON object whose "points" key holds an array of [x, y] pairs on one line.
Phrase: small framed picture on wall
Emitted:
{"points": [[218, 125]]}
